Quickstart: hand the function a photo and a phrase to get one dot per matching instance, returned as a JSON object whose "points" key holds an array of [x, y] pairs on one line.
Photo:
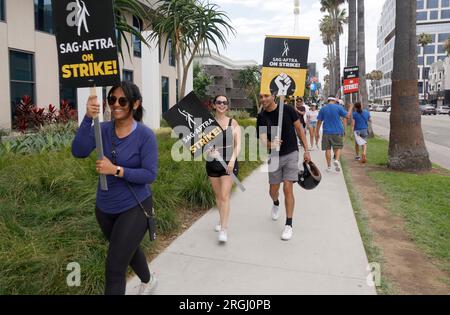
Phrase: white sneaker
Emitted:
{"points": [[329, 169], [218, 228], [287, 233], [223, 238], [337, 165], [148, 288], [275, 212]]}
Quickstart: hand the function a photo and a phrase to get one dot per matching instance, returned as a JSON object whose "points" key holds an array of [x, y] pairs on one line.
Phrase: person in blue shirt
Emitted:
{"points": [[330, 117], [360, 127], [130, 163]]}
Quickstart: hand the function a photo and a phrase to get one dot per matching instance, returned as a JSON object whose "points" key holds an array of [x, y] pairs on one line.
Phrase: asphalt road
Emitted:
{"points": [[436, 130]]}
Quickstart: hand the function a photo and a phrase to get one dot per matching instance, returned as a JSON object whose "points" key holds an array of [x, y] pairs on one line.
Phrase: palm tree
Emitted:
{"points": [[193, 26], [375, 77], [352, 36], [363, 97], [339, 18], [327, 29], [250, 79], [424, 40], [407, 149]]}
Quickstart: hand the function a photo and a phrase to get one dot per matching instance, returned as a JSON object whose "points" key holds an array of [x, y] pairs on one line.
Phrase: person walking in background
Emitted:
{"points": [[130, 165], [301, 111], [331, 117], [311, 119], [229, 151], [283, 165], [360, 127]]}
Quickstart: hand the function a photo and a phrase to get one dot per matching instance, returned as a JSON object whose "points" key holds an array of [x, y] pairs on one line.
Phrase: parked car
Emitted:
{"points": [[443, 110], [379, 108], [389, 109], [428, 110]]}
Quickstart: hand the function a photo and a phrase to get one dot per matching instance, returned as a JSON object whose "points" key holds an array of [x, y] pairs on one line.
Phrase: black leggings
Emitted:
{"points": [[124, 232]]}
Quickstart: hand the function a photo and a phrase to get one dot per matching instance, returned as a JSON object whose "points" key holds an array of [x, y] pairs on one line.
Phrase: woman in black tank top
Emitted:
{"points": [[227, 149]]}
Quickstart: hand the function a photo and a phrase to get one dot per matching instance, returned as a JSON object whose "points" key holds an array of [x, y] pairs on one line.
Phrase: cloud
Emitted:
{"points": [[254, 19]]}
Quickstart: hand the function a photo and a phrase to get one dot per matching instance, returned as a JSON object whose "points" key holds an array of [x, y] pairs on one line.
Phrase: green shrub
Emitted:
{"points": [[239, 114]]}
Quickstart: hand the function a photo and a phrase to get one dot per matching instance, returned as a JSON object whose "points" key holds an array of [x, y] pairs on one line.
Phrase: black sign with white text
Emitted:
{"points": [[86, 40], [194, 124]]}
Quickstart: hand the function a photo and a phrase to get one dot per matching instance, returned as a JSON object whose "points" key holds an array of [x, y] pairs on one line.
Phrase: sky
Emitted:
{"points": [[254, 19]]}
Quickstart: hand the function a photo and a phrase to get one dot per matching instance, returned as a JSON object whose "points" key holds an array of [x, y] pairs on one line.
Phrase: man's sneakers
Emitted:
{"points": [[337, 166], [148, 288], [357, 158], [275, 212], [287, 233]]}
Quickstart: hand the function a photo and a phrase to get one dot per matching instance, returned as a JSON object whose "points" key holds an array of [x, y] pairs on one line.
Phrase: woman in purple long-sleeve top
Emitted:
{"points": [[133, 149]]}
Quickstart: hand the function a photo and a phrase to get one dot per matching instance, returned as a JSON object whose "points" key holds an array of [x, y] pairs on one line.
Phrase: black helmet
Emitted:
{"points": [[310, 177]]}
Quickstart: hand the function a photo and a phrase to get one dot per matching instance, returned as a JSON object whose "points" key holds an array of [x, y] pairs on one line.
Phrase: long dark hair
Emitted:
{"points": [[358, 107], [133, 94]]}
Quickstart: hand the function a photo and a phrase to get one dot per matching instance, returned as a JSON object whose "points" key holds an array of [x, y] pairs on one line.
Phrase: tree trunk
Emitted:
{"points": [[363, 97], [352, 38], [333, 71], [338, 64], [407, 149]]}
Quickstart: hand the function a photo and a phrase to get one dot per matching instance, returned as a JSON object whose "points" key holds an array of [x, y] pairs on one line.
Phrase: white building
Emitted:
{"points": [[439, 82], [433, 17], [29, 65]]}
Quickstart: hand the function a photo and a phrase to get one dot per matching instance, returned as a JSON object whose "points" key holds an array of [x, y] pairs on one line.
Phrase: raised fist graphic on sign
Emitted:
{"points": [[283, 82]]}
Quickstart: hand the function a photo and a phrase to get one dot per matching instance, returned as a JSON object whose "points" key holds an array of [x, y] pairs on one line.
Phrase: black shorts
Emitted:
{"points": [[215, 169]]}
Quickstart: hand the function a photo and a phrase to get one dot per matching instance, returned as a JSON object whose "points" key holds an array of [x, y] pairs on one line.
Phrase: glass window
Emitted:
{"points": [[429, 49], [420, 4], [137, 45], [434, 15], [441, 49], [21, 78], [441, 57], [2, 10], [443, 37], [420, 87], [69, 95], [420, 60], [430, 60], [128, 75], [432, 4], [171, 53], [43, 19], [426, 72], [421, 16], [445, 14], [165, 94], [445, 4]]}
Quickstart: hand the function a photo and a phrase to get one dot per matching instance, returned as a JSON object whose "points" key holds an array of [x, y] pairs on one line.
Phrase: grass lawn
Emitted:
{"points": [[47, 217], [422, 200]]}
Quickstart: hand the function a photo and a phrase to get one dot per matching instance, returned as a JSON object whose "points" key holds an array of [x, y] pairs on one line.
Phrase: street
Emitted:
{"points": [[436, 130]]}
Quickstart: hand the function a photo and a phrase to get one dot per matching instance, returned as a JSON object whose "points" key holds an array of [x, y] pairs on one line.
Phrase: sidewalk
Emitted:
{"points": [[438, 153], [326, 255]]}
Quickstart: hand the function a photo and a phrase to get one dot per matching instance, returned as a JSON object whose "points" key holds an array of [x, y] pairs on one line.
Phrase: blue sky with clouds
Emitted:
{"points": [[253, 19]]}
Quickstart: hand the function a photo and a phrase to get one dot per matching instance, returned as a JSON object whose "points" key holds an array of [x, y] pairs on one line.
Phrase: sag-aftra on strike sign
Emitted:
{"points": [[87, 43]]}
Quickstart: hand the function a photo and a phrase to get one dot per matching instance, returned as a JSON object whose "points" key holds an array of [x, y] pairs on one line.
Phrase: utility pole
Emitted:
{"points": [[296, 17]]}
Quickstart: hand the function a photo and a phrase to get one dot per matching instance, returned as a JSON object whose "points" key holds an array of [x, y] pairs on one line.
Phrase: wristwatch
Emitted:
{"points": [[118, 171]]}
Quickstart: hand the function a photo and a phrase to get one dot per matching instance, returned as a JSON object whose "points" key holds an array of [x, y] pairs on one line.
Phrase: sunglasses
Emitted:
{"points": [[222, 103], [122, 101]]}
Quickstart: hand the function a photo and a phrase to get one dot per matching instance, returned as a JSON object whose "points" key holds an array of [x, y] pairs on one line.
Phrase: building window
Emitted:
{"points": [[434, 15], [422, 16], [2, 10], [429, 50], [445, 14], [69, 95], [171, 53], [432, 4], [165, 94], [430, 60], [420, 4], [43, 19], [21, 67], [445, 4], [137, 44], [128, 75]]}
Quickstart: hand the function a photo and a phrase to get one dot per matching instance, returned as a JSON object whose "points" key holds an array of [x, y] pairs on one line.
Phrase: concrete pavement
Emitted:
{"points": [[436, 131], [326, 255]]}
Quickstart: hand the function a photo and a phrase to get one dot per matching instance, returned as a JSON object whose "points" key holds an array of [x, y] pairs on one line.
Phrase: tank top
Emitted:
{"points": [[226, 146]]}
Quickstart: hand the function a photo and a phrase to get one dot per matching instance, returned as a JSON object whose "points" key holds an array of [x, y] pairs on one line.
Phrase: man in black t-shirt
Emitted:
{"points": [[283, 165]]}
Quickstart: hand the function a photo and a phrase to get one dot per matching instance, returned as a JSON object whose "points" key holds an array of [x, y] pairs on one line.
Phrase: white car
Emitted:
{"points": [[443, 110]]}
